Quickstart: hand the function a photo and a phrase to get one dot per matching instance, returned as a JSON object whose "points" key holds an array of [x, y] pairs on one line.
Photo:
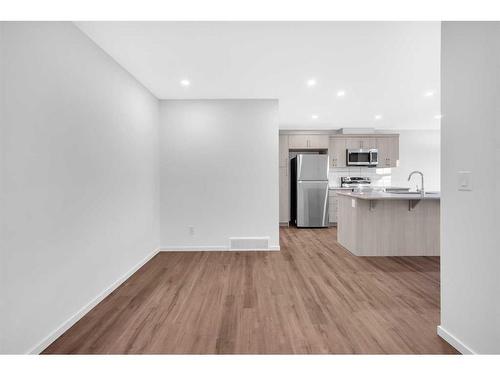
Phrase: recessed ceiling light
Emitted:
{"points": [[185, 82], [438, 117], [429, 93], [340, 93], [314, 117], [311, 82], [377, 117]]}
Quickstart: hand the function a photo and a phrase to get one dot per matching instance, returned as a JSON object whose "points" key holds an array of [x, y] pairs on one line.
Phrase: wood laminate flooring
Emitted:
{"points": [[311, 297]]}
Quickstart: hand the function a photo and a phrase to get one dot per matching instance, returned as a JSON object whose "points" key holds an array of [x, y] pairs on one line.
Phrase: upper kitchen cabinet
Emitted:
{"points": [[388, 151], [387, 145], [336, 151], [283, 150], [318, 141], [298, 141], [369, 143], [353, 143], [361, 143], [307, 141]]}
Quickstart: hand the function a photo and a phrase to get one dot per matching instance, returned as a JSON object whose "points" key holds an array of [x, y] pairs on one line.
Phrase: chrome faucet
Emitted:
{"points": [[422, 191]]}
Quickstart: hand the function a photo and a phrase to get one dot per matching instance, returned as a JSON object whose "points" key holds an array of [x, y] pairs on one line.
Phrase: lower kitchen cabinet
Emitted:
{"points": [[333, 201]]}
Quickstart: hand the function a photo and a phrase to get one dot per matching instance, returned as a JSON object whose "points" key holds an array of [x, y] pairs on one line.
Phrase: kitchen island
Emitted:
{"points": [[389, 224]]}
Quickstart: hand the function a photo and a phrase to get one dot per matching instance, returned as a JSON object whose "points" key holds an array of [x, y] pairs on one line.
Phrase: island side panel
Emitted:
{"points": [[347, 223]]}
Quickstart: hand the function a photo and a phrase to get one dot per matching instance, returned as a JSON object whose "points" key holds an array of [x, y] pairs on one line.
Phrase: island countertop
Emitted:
{"points": [[381, 195]]}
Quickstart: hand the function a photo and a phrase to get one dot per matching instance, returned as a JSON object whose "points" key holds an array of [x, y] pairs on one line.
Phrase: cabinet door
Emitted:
{"points": [[336, 150], [333, 204], [318, 141], [355, 143], [369, 143], [332, 213], [388, 151], [395, 151], [284, 191], [283, 150], [384, 152], [298, 141]]}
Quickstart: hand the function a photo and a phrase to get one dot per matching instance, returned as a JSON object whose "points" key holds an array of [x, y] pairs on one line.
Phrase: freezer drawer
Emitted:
{"points": [[312, 203]]}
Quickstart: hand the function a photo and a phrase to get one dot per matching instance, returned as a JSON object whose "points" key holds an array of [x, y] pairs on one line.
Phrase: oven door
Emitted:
{"points": [[358, 157]]}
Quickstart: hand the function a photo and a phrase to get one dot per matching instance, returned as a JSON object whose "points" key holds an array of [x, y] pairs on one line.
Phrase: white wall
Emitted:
{"points": [[219, 172], [79, 177], [470, 253], [418, 150]]}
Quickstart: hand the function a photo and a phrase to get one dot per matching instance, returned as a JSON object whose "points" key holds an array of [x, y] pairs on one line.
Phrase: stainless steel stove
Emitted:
{"points": [[355, 182]]}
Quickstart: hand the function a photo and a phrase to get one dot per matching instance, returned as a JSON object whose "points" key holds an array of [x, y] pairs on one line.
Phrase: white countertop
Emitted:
{"points": [[379, 195]]}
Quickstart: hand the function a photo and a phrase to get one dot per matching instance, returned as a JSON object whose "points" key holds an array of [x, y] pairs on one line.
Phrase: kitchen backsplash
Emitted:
{"points": [[379, 176]]}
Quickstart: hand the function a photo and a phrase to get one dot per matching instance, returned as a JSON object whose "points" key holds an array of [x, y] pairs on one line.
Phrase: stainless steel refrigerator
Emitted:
{"points": [[309, 190]]}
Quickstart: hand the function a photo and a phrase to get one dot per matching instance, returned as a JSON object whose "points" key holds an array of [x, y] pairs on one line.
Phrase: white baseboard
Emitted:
{"points": [[453, 341], [212, 248], [89, 306]]}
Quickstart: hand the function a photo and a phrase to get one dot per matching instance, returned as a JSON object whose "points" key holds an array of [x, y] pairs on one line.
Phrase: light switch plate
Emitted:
{"points": [[465, 180]]}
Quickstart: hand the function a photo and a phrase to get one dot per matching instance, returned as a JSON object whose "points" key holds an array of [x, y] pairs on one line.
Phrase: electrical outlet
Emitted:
{"points": [[191, 230]]}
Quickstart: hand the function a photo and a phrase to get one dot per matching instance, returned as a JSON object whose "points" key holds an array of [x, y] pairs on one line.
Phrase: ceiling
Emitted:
{"points": [[389, 69]]}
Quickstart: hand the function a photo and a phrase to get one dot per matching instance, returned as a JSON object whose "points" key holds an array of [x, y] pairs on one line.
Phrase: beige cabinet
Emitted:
{"points": [[333, 204], [283, 150], [369, 143], [336, 152], [298, 141], [284, 179], [318, 141], [284, 191], [307, 141], [387, 145], [353, 143], [361, 142], [388, 151]]}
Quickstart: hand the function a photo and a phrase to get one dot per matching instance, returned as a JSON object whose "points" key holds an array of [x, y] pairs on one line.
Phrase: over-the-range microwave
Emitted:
{"points": [[362, 157]]}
